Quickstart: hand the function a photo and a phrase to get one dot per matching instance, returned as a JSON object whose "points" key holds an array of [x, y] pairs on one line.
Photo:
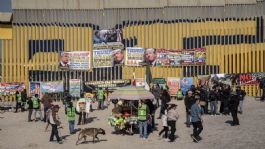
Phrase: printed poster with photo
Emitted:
{"points": [[168, 57], [34, 88], [102, 58], [52, 87], [74, 86], [185, 84], [134, 56], [77, 60], [174, 84]]}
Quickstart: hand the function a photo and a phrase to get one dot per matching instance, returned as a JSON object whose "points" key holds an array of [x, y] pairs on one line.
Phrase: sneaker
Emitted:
{"points": [[60, 142], [199, 138], [194, 138], [167, 140]]}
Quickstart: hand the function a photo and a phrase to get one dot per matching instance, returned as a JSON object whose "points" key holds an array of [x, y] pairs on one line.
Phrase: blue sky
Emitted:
{"points": [[5, 5]]}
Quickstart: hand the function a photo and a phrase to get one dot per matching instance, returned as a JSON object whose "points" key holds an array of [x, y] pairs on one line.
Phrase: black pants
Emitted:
{"points": [[197, 128], [165, 129], [54, 133], [222, 107], [82, 115], [18, 105], [29, 115], [234, 116], [172, 125]]}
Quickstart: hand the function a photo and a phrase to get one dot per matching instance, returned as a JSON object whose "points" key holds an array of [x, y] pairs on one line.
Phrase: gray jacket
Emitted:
{"points": [[172, 115]]}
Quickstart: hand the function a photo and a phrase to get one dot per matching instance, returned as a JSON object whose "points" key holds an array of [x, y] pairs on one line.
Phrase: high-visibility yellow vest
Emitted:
{"points": [[142, 113], [19, 98], [71, 114], [179, 94], [35, 103]]}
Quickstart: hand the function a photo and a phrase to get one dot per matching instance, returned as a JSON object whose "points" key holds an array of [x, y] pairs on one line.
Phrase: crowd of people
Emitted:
{"points": [[219, 99]]}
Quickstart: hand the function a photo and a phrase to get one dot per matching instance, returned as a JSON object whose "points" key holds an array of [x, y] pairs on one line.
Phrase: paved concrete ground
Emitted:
{"points": [[217, 134]]}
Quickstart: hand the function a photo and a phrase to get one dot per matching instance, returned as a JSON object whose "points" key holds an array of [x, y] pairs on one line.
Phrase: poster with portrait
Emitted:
{"points": [[75, 87], [77, 60], [200, 56], [185, 84], [107, 35], [134, 56], [102, 58], [168, 57], [174, 84], [187, 57], [118, 57], [34, 88], [52, 87]]}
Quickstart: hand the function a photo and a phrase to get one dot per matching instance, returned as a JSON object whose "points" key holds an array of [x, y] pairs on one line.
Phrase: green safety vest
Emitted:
{"points": [[142, 113], [19, 98], [179, 94], [100, 95], [35, 103], [71, 114]]}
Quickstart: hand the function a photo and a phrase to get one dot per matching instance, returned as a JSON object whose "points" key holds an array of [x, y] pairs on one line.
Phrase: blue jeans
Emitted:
{"points": [[143, 129], [71, 126], [213, 107], [241, 106]]}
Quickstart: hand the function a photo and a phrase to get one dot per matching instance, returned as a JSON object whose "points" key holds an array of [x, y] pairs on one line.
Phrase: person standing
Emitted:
{"points": [[53, 119], [241, 95], [81, 110], [196, 120], [172, 117], [100, 97], [18, 101], [165, 98], [47, 102], [179, 95], [30, 108], [213, 101], [143, 111], [233, 105], [36, 106], [24, 99], [189, 100], [164, 124], [70, 112]]}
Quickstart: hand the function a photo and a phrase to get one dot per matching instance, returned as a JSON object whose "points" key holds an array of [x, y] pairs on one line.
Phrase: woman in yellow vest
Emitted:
{"points": [[70, 112]]}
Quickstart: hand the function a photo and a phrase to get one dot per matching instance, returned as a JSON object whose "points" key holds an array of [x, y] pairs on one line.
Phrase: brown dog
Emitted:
{"points": [[93, 132]]}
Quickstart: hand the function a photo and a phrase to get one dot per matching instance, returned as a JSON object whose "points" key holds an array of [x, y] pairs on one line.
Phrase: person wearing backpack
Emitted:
{"points": [[36, 106]]}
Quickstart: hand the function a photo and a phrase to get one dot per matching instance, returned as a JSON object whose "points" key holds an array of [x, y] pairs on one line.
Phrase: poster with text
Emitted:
{"points": [[134, 56], [74, 86], [77, 60], [102, 58], [187, 57], [52, 87], [168, 57], [11, 88], [200, 56]]}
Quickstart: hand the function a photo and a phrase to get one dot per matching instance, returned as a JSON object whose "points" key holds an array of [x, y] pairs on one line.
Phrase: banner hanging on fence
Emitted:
{"points": [[250, 78], [134, 56], [75, 85], [52, 87], [107, 35], [34, 88], [78, 60], [174, 57], [185, 84], [11, 88], [111, 83], [173, 84], [102, 58]]}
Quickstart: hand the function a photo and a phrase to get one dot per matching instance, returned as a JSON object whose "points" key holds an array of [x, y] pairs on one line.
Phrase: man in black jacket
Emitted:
{"points": [[189, 101], [241, 95], [233, 104], [30, 108]]}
